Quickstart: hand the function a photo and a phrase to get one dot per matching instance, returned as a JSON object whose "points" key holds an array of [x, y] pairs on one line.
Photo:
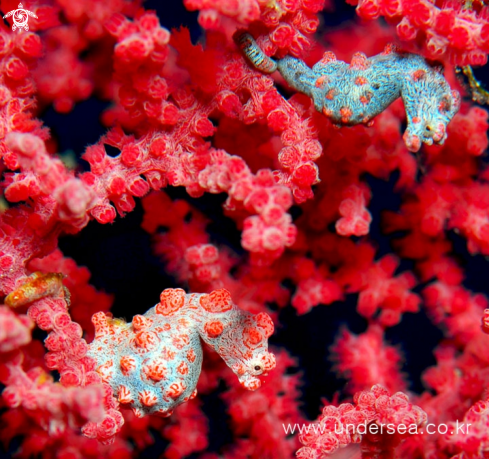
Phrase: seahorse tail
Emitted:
{"points": [[252, 51]]}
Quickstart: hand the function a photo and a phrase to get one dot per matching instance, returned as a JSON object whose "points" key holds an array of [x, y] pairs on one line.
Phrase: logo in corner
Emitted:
{"points": [[20, 17]]}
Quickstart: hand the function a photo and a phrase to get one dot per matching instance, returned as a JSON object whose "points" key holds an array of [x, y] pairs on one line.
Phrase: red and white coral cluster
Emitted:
{"points": [[447, 28], [377, 420]]}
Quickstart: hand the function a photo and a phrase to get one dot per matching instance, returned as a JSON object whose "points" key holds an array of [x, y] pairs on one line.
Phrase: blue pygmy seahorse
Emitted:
{"points": [[154, 362], [355, 93]]}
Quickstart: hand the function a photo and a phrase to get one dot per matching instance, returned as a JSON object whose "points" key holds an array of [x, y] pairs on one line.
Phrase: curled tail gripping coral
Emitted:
{"points": [[355, 93], [153, 363]]}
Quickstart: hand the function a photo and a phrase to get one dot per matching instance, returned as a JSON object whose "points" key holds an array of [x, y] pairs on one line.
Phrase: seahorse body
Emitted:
{"points": [[153, 363], [357, 92]]}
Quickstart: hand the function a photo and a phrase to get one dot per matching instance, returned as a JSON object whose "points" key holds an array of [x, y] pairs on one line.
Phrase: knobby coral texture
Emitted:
{"points": [[244, 229]]}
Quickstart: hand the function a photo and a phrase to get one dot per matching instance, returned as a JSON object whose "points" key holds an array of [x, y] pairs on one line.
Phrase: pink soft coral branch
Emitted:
{"points": [[448, 29]]}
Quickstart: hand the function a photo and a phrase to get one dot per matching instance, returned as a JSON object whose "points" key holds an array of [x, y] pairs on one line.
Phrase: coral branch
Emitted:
{"points": [[446, 29], [342, 425]]}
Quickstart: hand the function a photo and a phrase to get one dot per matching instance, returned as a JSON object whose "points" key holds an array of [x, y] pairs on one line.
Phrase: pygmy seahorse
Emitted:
{"points": [[355, 93], [153, 363]]}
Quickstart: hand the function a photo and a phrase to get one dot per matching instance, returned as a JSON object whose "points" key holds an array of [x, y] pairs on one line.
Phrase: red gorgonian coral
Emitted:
{"points": [[300, 163]]}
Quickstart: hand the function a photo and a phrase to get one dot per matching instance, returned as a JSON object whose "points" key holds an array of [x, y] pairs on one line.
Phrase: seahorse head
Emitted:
{"points": [[239, 337], [251, 358], [430, 105]]}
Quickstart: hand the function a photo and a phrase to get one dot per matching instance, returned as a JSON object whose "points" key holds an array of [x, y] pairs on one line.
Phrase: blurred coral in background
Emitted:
{"points": [[141, 150]]}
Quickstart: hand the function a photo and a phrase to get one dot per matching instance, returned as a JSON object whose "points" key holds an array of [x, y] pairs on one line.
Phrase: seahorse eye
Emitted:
{"points": [[258, 368]]}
